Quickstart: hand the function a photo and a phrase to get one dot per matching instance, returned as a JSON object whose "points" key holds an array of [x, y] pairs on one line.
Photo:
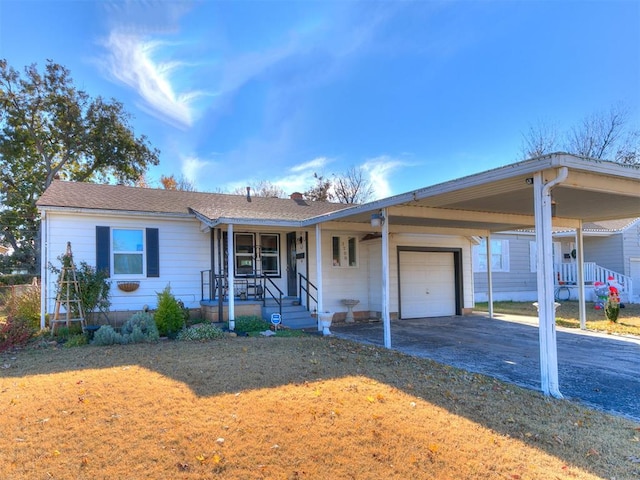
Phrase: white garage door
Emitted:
{"points": [[427, 284]]}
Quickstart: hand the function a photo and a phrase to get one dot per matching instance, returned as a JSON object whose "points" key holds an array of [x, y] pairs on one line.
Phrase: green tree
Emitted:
{"points": [[51, 129]]}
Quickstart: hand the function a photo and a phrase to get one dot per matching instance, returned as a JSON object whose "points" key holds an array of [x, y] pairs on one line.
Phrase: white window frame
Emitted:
{"points": [[276, 255], [255, 256], [344, 251], [142, 253], [499, 247]]}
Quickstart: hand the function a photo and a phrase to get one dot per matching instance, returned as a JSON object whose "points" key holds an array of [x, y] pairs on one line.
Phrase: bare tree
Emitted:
{"points": [[352, 186], [263, 188], [597, 135], [321, 191], [540, 140], [602, 135]]}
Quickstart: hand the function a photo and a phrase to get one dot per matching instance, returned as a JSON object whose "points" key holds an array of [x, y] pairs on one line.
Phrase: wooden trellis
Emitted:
{"points": [[68, 296]]}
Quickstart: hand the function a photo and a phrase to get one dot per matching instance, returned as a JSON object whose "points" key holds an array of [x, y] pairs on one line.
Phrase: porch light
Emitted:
{"points": [[377, 220]]}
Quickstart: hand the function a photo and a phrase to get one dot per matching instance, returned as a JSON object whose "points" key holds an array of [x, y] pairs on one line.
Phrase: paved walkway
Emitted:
{"points": [[600, 370]]}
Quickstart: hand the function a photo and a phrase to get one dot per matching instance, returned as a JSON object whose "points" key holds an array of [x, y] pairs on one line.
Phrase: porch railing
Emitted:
{"points": [[272, 290], [567, 274], [304, 285]]}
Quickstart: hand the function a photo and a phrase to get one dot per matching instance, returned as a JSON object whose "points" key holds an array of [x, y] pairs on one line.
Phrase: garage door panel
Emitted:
{"points": [[427, 284]]}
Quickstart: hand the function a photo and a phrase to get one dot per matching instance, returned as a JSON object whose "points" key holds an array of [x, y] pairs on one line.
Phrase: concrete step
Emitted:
{"points": [[293, 316]]}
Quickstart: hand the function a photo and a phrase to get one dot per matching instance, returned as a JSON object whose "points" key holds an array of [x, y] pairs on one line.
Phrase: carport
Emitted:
{"points": [[558, 190]]}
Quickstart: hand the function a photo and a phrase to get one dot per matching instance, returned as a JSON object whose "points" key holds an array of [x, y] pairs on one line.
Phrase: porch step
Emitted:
{"points": [[293, 316]]}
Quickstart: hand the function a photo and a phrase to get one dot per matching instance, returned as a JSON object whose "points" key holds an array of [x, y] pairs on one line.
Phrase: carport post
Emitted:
{"points": [[546, 300], [386, 320], [580, 271], [489, 277]]}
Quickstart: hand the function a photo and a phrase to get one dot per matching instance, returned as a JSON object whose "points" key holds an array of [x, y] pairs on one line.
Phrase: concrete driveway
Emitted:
{"points": [[599, 370]]}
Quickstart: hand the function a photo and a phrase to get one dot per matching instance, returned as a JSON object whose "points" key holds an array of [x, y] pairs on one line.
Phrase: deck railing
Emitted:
{"points": [[567, 274]]}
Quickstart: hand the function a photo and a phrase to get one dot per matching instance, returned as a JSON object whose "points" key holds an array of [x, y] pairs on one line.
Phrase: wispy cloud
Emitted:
{"points": [[379, 170], [311, 166], [131, 60], [192, 167]]}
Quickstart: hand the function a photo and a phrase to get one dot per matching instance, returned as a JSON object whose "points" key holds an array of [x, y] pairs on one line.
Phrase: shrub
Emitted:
{"points": [[141, 327], [76, 341], [203, 331], [94, 286], [169, 317], [25, 306], [250, 323], [15, 332], [106, 335]]}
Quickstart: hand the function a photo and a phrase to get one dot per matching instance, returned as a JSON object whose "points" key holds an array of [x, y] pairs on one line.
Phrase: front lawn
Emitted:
{"points": [[567, 315], [289, 408]]}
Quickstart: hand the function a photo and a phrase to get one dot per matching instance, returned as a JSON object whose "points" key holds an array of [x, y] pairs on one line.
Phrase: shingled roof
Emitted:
{"points": [[212, 206]]}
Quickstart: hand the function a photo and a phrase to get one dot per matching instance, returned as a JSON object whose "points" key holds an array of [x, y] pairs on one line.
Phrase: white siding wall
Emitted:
{"points": [[184, 252], [631, 243], [364, 282], [605, 251]]}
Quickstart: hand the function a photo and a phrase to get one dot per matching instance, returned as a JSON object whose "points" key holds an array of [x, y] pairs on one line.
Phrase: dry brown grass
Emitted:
{"points": [[567, 316], [288, 408]]}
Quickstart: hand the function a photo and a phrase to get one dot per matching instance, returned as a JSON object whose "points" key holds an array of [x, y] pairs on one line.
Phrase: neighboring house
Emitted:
{"points": [[4, 250], [611, 249]]}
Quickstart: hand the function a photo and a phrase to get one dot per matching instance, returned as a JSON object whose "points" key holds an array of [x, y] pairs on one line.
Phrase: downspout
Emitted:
{"points": [[546, 300]]}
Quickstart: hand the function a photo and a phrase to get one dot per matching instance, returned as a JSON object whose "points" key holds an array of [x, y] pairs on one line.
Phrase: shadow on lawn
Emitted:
{"points": [[236, 364]]}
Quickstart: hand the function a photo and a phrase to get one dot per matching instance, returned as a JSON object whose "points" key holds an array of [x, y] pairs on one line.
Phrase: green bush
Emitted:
{"points": [[25, 305], [76, 341], [203, 331], [250, 323], [169, 316], [140, 328], [106, 335]]}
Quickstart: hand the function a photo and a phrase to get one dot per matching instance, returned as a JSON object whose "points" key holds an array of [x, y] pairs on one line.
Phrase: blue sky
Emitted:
{"points": [[414, 92]]}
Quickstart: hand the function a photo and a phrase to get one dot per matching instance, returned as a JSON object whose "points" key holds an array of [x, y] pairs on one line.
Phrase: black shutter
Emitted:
{"points": [[103, 247], [153, 253]]}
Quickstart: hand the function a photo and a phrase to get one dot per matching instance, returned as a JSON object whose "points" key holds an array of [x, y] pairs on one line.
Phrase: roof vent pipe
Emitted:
{"points": [[248, 194]]}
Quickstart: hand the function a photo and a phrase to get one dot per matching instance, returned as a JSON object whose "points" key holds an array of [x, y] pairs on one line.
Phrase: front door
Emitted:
{"points": [[292, 270]]}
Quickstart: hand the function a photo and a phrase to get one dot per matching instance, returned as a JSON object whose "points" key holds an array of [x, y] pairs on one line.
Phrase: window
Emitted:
{"points": [[270, 254], [499, 256], [128, 251], [344, 252], [123, 251], [257, 254], [245, 254]]}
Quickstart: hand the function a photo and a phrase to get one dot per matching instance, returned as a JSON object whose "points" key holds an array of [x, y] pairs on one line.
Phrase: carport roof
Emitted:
{"points": [[502, 198]]}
